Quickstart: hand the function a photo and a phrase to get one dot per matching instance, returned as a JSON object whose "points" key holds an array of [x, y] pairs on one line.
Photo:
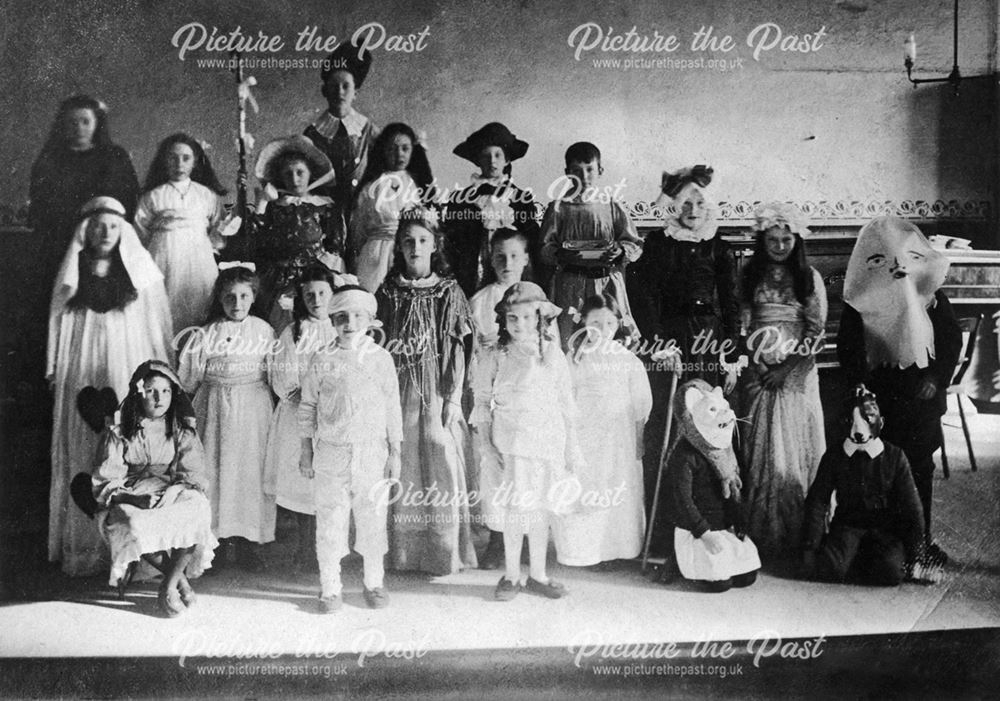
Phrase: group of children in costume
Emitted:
{"points": [[305, 410]]}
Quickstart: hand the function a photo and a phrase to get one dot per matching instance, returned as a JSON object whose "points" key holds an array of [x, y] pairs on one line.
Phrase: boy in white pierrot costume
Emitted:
{"points": [[351, 426], [900, 338]]}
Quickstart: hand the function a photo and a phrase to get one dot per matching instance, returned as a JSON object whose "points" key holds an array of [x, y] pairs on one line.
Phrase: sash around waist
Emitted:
{"points": [[764, 313], [238, 380]]}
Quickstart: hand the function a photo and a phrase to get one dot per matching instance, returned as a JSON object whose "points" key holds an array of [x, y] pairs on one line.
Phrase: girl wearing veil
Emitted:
{"points": [[109, 313]]}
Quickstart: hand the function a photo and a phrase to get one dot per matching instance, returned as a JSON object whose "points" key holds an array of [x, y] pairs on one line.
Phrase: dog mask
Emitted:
{"points": [[864, 420]]}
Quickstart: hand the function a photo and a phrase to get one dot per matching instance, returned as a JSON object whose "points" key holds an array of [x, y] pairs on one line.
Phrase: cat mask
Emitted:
{"points": [[707, 421]]}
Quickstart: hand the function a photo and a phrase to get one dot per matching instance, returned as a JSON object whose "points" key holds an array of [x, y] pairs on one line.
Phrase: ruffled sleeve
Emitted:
{"points": [[725, 287], [193, 360], [625, 232], [216, 216], [567, 406], [817, 507], [307, 404], [645, 281], [159, 324], [679, 490], [551, 237], [815, 311], [454, 338], [332, 224], [393, 406], [188, 466], [484, 374], [639, 391], [144, 214], [111, 470], [359, 222], [284, 365]]}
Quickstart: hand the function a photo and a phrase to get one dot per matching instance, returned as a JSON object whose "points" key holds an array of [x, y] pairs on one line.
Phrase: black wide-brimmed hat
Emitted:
{"points": [[493, 134], [348, 57]]}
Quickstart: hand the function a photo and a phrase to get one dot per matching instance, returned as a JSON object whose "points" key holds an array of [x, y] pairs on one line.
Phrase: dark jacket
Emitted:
{"points": [[680, 279], [872, 493], [692, 493], [911, 423], [467, 239]]}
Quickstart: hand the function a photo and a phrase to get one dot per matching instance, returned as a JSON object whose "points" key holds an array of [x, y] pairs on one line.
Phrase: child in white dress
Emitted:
{"points": [[524, 404], [509, 258], [613, 400], [398, 177], [310, 331], [224, 366], [149, 485], [180, 221], [352, 426], [108, 314]]}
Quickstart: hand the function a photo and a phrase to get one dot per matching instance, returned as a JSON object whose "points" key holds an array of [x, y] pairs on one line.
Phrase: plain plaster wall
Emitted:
{"points": [[840, 123]]}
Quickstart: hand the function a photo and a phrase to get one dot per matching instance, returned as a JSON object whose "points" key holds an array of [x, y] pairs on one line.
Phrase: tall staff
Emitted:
{"points": [[241, 249]]}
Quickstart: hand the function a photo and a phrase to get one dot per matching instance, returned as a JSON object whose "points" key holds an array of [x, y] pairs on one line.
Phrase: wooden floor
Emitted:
{"points": [[452, 626]]}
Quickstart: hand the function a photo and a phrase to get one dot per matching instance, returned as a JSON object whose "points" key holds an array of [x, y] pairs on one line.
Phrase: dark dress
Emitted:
{"points": [[879, 522], [287, 239], [679, 289], [692, 493], [62, 181], [911, 423], [349, 155], [467, 239], [428, 326]]}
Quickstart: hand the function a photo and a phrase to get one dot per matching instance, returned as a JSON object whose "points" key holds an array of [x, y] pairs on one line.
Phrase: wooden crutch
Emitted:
{"points": [[659, 472]]}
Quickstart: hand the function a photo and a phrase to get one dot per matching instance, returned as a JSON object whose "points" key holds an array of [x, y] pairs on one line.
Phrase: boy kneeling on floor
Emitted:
{"points": [[877, 532]]}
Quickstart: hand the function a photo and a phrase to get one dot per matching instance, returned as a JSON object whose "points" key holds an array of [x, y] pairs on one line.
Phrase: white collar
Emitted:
{"points": [[874, 447], [318, 200], [705, 232], [428, 281], [498, 182], [328, 125]]}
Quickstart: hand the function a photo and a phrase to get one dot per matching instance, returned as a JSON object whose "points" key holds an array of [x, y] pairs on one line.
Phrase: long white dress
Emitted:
{"points": [[93, 349], [374, 223], [224, 366], [613, 400], [285, 373], [171, 469], [175, 222]]}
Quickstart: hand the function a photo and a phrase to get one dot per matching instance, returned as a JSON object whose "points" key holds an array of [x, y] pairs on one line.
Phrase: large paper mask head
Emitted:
{"points": [[710, 414], [707, 422], [891, 279]]}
